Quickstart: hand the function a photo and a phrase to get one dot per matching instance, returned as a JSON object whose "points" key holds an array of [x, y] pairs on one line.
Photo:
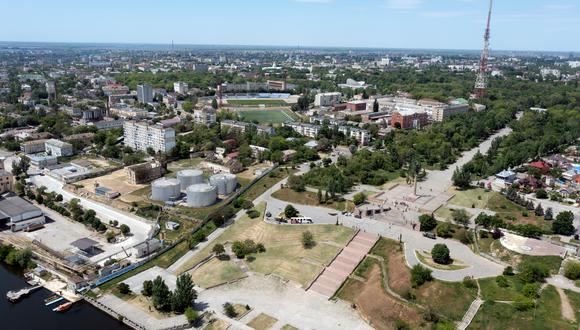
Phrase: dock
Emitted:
{"points": [[15, 296]]}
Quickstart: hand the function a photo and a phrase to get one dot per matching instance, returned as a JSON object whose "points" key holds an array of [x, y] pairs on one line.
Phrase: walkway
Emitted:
{"points": [[344, 264], [470, 314]]}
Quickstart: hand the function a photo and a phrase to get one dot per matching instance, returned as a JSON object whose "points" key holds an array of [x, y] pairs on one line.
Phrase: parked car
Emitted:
{"points": [[429, 235]]}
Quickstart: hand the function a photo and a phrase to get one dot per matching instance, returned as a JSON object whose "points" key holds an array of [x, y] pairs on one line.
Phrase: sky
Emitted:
{"points": [[546, 25]]}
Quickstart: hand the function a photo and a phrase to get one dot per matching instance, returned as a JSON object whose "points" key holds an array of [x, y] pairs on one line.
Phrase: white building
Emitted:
{"points": [[145, 93], [19, 214], [205, 116], [363, 137], [140, 136], [58, 148], [327, 99], [308, 130], [180, 87]]}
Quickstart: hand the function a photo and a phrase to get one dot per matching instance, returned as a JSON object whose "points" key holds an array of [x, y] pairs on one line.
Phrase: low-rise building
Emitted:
{"points": [[241, 126], [127, 112], [106, 125], [33, 147], [205, 116], [146, 248], [42, 160], [18, 214], [6, 181], [356, 105], [362, 136], [308, 130], [144, 172], [407, 119], [327, 99], [58, 148], [180, 87]]}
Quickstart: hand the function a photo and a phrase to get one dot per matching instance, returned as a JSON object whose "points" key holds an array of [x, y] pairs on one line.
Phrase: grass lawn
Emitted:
{"points": [[494, 248], [262, 322], [547, 315], [289, 327], [494, 201], [284, 254], [425, 258], [267, 182], [216, 272], [241, 311], [491, 291], [184, 164], [308, 198], [574, 298], [217, 324], [364, 268], [277, 116], [267, 102]]}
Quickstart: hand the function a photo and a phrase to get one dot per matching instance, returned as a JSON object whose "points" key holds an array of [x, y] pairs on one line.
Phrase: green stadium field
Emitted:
{"points": [[276, 116], [256, 102]]}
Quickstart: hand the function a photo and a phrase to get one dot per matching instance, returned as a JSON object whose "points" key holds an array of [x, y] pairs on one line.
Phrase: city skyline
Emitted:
{"points": [[537, 25]]}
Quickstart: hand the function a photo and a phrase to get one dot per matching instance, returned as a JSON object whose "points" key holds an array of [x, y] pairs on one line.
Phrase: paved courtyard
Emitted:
{"points": [[531, 246]]}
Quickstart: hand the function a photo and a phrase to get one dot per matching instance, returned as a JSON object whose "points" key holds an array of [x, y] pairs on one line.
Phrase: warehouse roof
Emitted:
{"points": [[14, 206]]}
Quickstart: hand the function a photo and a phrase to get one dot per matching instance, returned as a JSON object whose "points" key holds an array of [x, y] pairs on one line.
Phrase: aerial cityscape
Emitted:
{"points": [[298, 164]]}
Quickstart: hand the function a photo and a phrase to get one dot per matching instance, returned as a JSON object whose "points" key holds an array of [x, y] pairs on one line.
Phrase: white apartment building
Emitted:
{"points": [[58, 148], [308, 130], [363, 137], [206, 116], [327, 99], [141, 135], [180, 87]]}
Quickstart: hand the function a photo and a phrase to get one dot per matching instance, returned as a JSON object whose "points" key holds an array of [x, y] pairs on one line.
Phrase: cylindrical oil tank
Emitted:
{"points": [[224, 182], [189, 177], [165, 189], [201, 195]]}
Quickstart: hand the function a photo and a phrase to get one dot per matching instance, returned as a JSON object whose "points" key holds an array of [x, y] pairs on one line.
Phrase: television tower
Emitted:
{"points": [[481, 80]]}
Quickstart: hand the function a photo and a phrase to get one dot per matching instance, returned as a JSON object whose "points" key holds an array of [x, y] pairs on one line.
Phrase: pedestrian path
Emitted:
{"points": [[336, 273], [470, 314]]}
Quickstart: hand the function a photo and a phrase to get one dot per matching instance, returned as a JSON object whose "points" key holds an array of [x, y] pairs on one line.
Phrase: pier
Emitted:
{"points": [[15, 296]]}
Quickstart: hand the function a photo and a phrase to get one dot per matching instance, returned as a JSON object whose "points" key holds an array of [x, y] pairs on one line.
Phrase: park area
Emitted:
{"points": [[310, 198], [385, 267], [285, 255], [274, 116], [257, 102]]}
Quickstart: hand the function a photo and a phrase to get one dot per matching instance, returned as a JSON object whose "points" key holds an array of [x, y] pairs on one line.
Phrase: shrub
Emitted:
{"points": [[440, 254], [541, 194], [253, 213], [508, 271], [572, 270], [125, 230], [229, 310], [523, 304], [531, 272], [192, 315], [308, 240], [147, 288], [443, 230], [530, 290], [123, 288], [502, 282], [359, 198], [469, 282], [420, 275]]}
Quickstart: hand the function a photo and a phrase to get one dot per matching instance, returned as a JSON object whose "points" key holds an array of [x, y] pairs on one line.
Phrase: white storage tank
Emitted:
{"points": [[201, 195], [224, 182], [189, 177], [165, 189]]}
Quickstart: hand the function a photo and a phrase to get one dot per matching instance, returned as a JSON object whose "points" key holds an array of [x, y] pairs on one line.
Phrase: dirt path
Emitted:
{"points": [[567, 310]]}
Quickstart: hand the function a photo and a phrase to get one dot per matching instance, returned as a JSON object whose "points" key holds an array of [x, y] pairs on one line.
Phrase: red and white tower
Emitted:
{"points": [[481, 80]]}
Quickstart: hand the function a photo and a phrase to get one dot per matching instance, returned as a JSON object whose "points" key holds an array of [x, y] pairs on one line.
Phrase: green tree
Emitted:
{"points": [[420, 275], [214, 104], [376, 106], [541, 193], [427, 222], [572, 270], [147, 290], [359, 198], [539, 211], [563, 225], [125, 230], [530, 272], [548, 215], [461, 178], [218, 249], [440, 254], [123, 288], [461, 216], [290, 211], [184, 294], [161, 295]]}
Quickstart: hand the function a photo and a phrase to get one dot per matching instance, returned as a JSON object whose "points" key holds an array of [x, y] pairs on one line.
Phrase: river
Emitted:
{"points": [[30, 312]]}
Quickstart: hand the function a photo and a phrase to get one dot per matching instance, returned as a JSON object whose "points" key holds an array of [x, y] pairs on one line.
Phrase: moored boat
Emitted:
{"points": [[63, 307]]}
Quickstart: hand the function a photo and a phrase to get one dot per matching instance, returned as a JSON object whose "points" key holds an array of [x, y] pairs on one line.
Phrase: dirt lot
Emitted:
{"points": [[382, 310], [116, 181]]}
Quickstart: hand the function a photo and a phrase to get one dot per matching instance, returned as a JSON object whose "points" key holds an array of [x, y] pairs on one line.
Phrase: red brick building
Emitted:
{"points": [[408, 120], [356, 105]]}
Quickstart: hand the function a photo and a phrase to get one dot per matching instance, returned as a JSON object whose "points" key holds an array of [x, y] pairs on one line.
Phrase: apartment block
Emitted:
{"points": [[141, 135]]}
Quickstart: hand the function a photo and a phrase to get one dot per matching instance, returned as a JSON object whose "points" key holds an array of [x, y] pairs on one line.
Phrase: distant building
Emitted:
{"points": [[441, 113], [146, 248], [353, 84], [327, 99], [106, 125], [141, 136], [19, 214], [58, 148], [180, 87], [144, 172], [276, 85], [127, 112], [308, 130], [363, 137], [145, 93], [205, 116], [242, 126], [115, 89], [42, 160], [356, 105]]}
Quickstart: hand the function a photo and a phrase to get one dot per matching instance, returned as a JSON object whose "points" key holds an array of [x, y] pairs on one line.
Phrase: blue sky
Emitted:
{"points": [[446, 24]]}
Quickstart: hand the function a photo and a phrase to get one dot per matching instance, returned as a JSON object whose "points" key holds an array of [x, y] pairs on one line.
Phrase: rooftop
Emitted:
{"points": [[14, 206]]}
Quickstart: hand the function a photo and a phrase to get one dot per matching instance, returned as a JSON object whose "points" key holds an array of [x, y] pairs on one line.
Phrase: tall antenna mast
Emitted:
{"points": [[481, 80]]}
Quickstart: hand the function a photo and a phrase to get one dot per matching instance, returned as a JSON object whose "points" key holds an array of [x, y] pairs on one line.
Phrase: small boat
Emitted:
{"points": [[63, 307], [52, 299]]}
